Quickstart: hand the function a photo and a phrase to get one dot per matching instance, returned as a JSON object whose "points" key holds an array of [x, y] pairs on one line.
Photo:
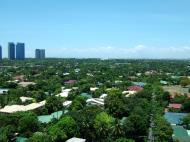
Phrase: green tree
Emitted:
{"points": [[64, 129], [7, 133], [28, 124], [85, 121], [39, 137], [103, 124], [184, 82], [116, 105], [135, 127], [186, 106], [186, 121], [163, 131], [124, 140], [53, 104], [78, 103]]}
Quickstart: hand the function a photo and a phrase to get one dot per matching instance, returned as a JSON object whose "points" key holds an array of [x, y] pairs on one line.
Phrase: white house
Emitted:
{"points": [[129, 93], [64, 93], [93, 89], [103, 96], [24, 99], [18, 108], [76, 140], [67, 103], [95, 101], [2, 91]]}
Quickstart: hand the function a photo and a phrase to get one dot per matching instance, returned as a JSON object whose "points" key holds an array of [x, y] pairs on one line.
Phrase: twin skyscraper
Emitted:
{"points": [[19, 53]]}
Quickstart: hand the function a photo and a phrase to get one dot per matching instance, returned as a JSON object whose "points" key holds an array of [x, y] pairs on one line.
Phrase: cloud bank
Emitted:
{"points": [[139, 51]]}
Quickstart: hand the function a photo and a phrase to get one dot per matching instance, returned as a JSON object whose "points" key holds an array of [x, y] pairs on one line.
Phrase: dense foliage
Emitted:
{"points": [[120, 119]]}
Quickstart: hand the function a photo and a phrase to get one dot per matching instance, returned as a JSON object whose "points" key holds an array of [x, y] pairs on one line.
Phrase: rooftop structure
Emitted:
{"points": [[86, 95], [175, 106], [103, 96], [24, 99], [141, 84], [3, 91], [93, 89], [174, 118], [64, 93], [25, 84], [76, 140], [95, 101], [181, 134], [163, 82], [18, 108], [48, 118], [129, 93], [67, 103], [70, 82], [135, 88]]}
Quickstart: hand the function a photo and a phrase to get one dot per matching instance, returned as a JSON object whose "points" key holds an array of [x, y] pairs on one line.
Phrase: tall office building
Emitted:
{"points": [[40, 53], [20, 51], [43, 54], [37, 53], [0, 52], [11, 51]]}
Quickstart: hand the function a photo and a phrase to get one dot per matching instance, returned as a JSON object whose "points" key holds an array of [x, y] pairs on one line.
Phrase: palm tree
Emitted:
{"points": [[117, 130]]}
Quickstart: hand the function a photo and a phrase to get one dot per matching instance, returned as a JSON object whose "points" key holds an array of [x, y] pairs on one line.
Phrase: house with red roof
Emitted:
{"points": [[70, 82], [135, 88], [175, 106]]}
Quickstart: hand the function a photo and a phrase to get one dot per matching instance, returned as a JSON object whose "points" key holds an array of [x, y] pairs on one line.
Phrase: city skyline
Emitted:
{"points": [[102, 28]]}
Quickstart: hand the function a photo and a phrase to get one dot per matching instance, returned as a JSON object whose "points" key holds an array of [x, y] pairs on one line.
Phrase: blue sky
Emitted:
{"points": [[98, 28]]}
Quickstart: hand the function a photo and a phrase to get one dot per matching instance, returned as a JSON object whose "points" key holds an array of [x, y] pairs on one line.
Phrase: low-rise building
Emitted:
{"points": [[24, 99], [93, 89], [3, 91], [95, 101], [74, 139], [67, 103], [19, 108], [64, 93], [175, 106], [135, 88]]}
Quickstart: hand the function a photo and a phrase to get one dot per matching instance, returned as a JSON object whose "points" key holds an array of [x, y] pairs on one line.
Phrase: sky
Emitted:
{"points": [[98, 28]]}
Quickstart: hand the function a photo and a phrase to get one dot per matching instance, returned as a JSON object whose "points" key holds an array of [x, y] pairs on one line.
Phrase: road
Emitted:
{"points": [[150, 133]]}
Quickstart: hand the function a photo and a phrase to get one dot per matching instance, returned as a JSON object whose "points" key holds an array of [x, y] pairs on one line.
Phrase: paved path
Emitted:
{"points": [[150, 133]]}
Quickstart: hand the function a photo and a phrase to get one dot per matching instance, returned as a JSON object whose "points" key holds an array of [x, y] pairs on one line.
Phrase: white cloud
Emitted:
{"points": [[139, 51]]}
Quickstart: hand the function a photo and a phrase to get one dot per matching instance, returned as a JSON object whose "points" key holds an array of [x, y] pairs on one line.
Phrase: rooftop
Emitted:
{"points": [[25, 84], [76, 140], [48, 118], [135, 88], [180, 134], [17, 108], [70, 82], [174, 118], [2, 91], [175, 106]]}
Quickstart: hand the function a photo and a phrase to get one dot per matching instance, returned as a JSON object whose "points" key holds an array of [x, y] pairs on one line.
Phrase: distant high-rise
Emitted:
{"points": [[0, 52], [40, 53], [37, 53], [20, 51], [43, 54], [11, 51]]}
